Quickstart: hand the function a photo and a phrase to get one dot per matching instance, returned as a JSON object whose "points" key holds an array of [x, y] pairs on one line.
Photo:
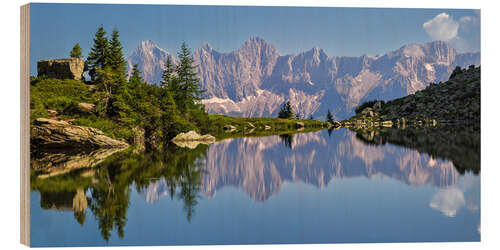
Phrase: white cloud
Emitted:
{"points": [[442, 27], [466, 19], [467, 23], [448, 201]]}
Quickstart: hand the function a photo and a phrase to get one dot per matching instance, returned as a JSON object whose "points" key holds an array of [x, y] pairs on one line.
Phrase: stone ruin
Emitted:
{"points": [[66, 68]]}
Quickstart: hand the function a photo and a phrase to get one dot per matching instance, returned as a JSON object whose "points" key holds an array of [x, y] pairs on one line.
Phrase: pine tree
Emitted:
{"points": [[189, 88], [76, 52], [105, 87], [286, 111], [97, 58], [135, 77], [168, 76], [115, 55], [329, 117], [170, 115]]}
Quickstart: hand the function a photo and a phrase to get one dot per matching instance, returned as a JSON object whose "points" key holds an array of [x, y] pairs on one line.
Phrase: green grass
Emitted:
{"points": [[62, 96], [243, 128], [107, 126]]}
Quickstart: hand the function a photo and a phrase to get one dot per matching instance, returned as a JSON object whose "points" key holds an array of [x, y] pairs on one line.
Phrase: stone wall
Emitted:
{"points": [[67, 68]]}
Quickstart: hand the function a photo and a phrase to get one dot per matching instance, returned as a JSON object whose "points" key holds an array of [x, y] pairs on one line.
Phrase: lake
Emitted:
{"points": [[335, 186]]}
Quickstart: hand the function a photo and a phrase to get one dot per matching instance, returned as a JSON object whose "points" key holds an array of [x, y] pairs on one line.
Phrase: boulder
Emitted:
{"points": [[50, 133], [67, 68], [299, 124], [229, 128], [192, 139], [86, 107], [52, 113], [193, 136]]}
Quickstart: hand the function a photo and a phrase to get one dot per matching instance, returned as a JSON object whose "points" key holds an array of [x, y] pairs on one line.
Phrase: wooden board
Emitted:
{"points": [[25, 148]]}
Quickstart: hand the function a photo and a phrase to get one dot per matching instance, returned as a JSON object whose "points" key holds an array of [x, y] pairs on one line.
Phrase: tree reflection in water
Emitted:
{"points": [[287, 139], [461, 145], [105, 188]]}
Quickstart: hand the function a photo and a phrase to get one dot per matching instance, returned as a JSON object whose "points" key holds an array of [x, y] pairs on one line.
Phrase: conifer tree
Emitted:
{"points": [[97, 58], [115, 55], [76, 52], [329, 117], [286, 111], [135, 77], [189, 88], [105, 87], [168, 75]]}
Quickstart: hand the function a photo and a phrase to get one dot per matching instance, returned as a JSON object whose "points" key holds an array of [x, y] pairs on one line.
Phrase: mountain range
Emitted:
{"points": [[255, 79]]}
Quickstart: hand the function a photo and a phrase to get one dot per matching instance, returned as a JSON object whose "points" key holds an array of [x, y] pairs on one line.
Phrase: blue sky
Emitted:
{"points": [[55, 28]]}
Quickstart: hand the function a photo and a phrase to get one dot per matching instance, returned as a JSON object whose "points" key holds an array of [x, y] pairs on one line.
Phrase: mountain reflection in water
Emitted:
{"points": [[261, 166]]}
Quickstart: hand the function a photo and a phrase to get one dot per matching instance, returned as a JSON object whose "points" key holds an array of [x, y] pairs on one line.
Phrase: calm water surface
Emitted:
{"points": [[319, 187]]}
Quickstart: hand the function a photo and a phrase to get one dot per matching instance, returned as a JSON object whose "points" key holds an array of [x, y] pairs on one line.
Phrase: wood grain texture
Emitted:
{"points": [[25, 148]]}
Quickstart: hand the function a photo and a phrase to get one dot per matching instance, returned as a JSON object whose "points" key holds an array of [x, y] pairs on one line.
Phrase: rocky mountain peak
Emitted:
{"points": [[440, 51], [147, 45], [151, 60], [259, 45], [255, 40], [412, 50], [255, 79], [316, 53], [206, 47]]}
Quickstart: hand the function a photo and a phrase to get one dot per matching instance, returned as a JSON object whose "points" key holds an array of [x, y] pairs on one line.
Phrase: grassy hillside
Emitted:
{"points": [[455, 101], [63, 96]]}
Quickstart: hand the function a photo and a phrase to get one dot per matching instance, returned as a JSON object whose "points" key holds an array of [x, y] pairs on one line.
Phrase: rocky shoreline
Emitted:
{"points": [[58, 134], [454, 102]]}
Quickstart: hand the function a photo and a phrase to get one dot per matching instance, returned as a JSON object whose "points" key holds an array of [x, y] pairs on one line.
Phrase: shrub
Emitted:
{"points": [[367, 104]]}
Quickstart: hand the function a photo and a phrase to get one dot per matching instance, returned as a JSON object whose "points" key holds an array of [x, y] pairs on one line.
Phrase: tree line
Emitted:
{"points": [[286, 112], [164, 110]]}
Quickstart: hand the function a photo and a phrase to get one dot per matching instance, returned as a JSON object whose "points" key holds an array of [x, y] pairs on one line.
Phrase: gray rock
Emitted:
{"points": [[52, 112], [229, 128], [67, 68], [192, 139], [86, 107], [49, 133]]}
